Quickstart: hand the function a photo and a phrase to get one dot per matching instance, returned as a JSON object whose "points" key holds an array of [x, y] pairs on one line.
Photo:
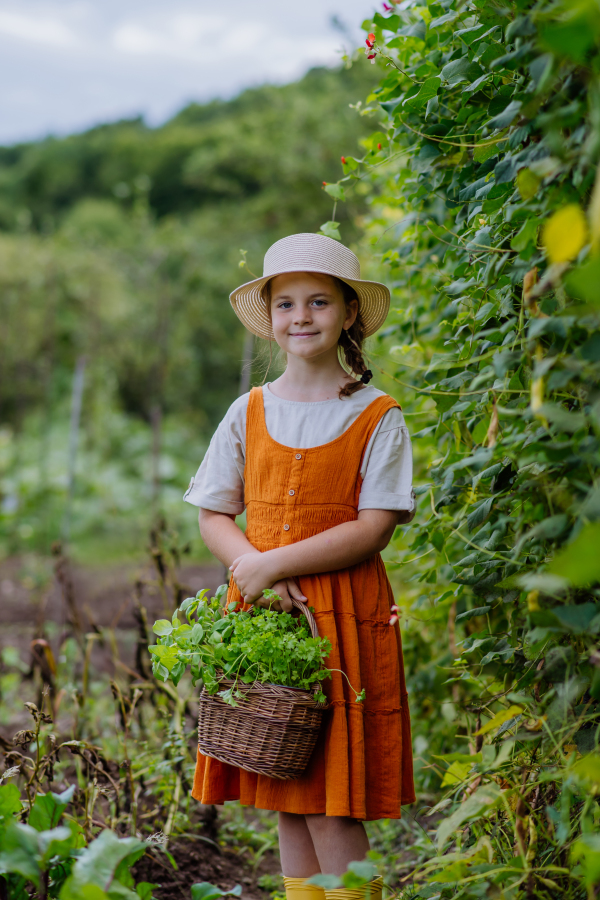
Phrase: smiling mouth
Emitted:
{"points": [[304, 334]]}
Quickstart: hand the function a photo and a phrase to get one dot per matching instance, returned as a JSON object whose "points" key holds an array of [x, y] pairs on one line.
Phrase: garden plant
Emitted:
{"points": [[485, 208], [477, 198]]}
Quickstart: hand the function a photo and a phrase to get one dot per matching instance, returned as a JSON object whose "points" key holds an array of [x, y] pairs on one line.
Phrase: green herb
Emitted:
{"points": [[257, 645]]}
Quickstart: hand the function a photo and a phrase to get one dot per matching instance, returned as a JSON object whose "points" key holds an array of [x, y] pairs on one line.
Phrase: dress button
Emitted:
{"points": [[298, 456], [291, 492], [286, 527]]}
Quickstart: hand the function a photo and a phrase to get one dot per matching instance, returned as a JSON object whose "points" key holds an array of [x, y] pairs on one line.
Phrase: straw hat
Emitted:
{"points": [[309, 253]]}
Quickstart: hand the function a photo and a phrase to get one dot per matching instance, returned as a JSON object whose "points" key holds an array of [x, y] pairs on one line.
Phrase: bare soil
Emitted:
{"points": [[197, 861]]}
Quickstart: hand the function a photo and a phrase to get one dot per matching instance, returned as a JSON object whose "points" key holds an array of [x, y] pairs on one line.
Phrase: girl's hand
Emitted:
{"points": [[253, 573], [286, 588]]}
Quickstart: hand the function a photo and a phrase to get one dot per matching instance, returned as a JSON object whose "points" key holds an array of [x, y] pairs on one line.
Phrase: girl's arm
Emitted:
{"points": [[228, 542], [337, 548], [222, 536]]}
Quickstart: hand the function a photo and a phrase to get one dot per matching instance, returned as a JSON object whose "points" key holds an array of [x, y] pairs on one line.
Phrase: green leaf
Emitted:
{"points": [[504, 119], [197, 633], [10, 800], [189, 601], [100, 860], [525, 236], [85, 892], [472, 613], [579, 562], [48, 808], [331, 230], [588, 769], [427, 92], [162, 627], [20, 852], [586, 851], [484, 798], [460, 70], [562, 418], [485, 151], [329, 882], [336, 191], [583, 283], [571, 38], [479, 514], [205, 891], [363, 872], [576, 618], [144, 890]]}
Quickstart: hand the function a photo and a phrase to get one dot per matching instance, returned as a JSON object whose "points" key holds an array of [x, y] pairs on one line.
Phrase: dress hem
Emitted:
{"points": [[342, 812]]}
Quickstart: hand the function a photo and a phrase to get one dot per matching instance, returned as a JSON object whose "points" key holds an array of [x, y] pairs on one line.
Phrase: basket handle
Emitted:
{"points": [[303, 607]]}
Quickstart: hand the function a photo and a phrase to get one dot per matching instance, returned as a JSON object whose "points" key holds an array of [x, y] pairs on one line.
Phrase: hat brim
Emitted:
{"points": [[251, 309]]}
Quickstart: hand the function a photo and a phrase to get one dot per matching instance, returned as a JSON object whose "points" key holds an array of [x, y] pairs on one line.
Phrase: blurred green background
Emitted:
{"points": [[118, 250]]}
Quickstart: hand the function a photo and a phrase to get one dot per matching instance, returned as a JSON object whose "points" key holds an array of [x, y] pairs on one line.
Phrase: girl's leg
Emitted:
{"points": [[337, 841], [298, 857]]}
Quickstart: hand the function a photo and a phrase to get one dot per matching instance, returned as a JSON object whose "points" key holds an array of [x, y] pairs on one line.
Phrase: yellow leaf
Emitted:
{"points": [[492, 432], [527, 183], [456, 773], [537, 394], [594, 212], [533, 602], [565, 233], [500, 718]]}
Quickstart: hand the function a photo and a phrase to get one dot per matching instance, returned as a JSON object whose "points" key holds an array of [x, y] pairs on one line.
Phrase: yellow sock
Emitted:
{"points": [[298, 889], [371, 891]]}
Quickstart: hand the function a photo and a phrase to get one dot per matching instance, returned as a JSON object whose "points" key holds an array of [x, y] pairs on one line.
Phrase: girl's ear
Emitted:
{"points": [[351, 314]]}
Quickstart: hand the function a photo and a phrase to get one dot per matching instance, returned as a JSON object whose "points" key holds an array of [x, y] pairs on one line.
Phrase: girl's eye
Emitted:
{"points": [[285, 304], [319, 303]]}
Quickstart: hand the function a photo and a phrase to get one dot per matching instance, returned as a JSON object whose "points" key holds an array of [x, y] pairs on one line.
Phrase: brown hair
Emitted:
{"points": [[350, 341]]}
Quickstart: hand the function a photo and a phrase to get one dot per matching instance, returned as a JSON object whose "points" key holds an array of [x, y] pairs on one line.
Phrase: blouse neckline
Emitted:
{"points": [[340, 437], [313, 402]]}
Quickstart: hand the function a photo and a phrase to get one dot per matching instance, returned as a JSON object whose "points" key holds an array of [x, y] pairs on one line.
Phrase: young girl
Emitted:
{"points": [[322, 465]]}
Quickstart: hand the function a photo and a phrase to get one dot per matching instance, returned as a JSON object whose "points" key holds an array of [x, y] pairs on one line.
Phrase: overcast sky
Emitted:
{"points": [[68, 64]]}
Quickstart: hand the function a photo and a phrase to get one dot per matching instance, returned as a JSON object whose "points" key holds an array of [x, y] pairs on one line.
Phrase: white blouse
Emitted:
{"points": [[386, 468]]}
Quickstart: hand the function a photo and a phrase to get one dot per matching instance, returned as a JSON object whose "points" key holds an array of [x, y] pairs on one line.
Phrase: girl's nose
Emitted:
{"points": [[303, 315]]}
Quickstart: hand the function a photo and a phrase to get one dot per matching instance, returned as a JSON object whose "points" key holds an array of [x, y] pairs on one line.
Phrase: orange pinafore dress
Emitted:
{"points": [[362, 764]]}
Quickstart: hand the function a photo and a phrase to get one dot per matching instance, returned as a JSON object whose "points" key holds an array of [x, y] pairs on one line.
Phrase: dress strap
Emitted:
{"points": [[256, 426], [369, 419]]}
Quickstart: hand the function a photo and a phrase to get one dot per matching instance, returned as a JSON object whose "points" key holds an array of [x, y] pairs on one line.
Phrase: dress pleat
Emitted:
{"points": [[362, 763]]}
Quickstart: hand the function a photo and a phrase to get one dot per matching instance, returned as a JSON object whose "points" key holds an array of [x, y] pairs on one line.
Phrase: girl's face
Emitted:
{"points": [[308, 313]]}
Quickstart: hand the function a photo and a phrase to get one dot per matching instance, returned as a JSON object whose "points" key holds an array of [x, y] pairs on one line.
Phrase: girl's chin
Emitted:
{"points": [[305, 351]]}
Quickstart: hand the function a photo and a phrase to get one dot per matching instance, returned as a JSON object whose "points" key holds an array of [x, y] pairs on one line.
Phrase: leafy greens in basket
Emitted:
{"points": [[258, 645]]}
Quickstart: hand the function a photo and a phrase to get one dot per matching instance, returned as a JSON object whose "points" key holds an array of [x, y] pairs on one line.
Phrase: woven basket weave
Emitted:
{"points": [[272, 731]]}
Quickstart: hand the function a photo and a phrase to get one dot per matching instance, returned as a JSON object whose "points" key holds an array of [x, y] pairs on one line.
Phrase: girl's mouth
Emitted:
{"points": [[304, 334]]}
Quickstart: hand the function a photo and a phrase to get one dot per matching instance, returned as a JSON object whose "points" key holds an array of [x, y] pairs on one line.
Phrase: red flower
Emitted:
{"points": [[395, 609], [379, 146], [324, 183], [372, 56], [370, 40], [393, 620], [343, 160]]}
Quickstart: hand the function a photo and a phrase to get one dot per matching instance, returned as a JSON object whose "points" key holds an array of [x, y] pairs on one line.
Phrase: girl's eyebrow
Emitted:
{"points": [[310, 296]]}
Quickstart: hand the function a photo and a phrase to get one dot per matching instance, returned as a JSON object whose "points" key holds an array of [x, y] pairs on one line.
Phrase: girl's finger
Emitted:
{"points": [[286, 604], [294, 590]]}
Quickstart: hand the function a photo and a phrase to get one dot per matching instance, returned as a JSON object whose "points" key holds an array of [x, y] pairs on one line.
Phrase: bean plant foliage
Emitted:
{"points": [[485, 207], [246, 646]]}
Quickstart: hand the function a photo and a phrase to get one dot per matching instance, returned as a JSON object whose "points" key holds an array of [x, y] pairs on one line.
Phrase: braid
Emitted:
{"points": [[351, 341]]}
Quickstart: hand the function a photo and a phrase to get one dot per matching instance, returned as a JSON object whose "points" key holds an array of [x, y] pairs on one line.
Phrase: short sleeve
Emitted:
{"points": [[219, 482], [387, 468]]}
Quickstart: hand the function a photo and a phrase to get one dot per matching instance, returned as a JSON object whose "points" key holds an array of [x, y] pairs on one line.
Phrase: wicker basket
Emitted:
{"points": [[272, 730]]}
